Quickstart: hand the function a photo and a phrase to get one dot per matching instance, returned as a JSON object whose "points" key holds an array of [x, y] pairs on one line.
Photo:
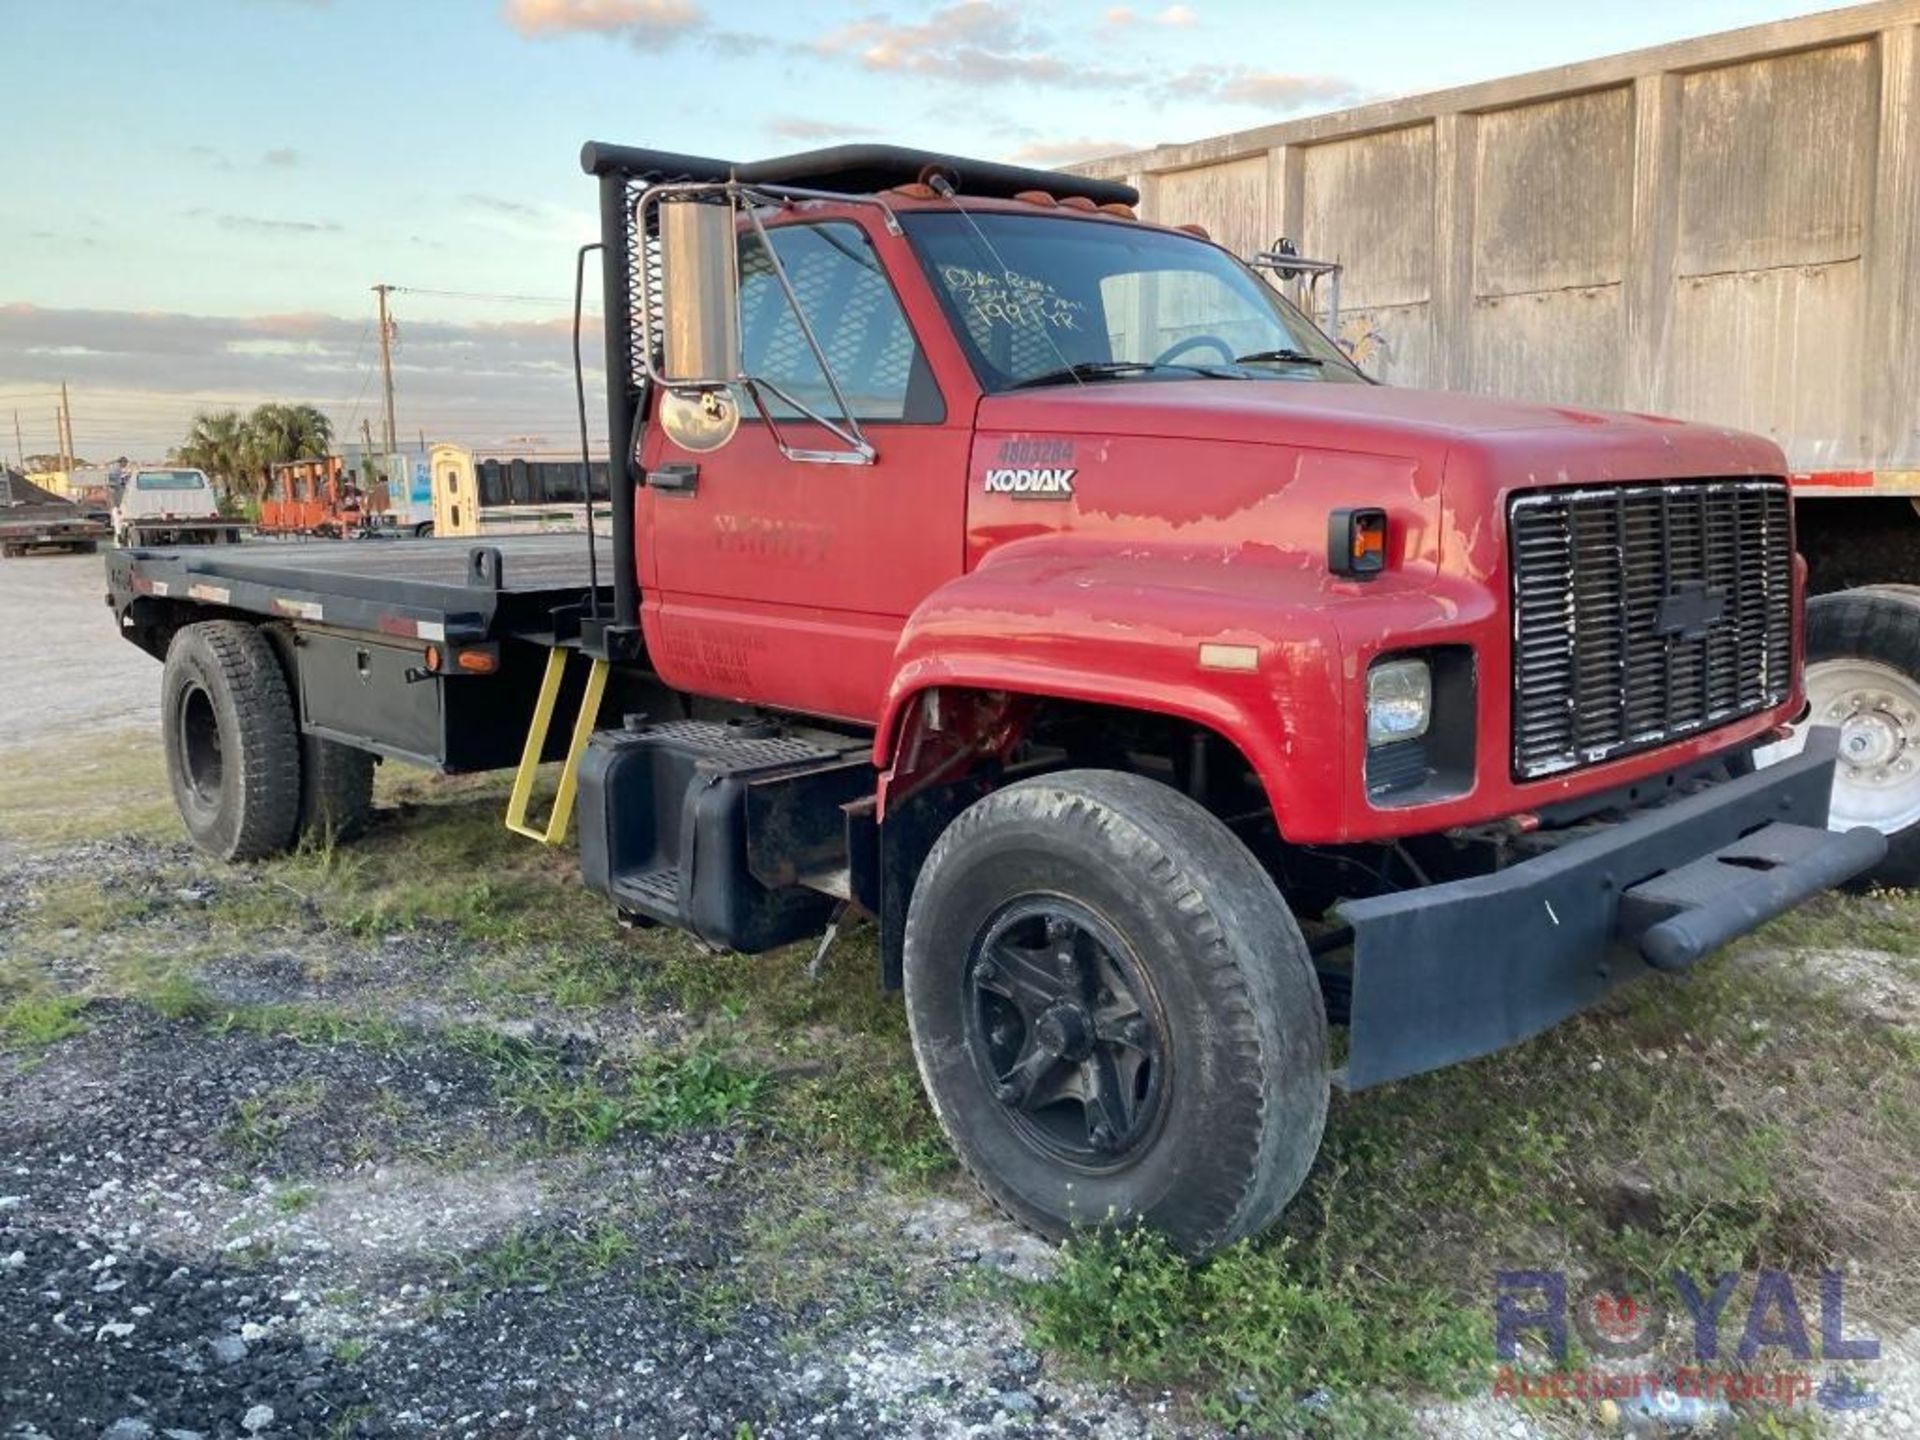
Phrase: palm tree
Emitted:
{"points": [[288, 432], [219, 444]]}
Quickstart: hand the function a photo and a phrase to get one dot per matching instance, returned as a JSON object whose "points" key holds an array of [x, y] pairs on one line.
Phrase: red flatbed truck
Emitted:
{"points": [[1037, 582]]}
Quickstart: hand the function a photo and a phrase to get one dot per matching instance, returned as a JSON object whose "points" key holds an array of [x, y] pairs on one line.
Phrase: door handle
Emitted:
{"points": [[678, 479]]}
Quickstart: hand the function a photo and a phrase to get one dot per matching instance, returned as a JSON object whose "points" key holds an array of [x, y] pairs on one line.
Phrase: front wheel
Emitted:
{"points": [[1114, 1013], [1863, 676]]}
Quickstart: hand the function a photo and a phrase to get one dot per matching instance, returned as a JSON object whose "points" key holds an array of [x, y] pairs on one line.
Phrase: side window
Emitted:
{"points": [[850, 305]]}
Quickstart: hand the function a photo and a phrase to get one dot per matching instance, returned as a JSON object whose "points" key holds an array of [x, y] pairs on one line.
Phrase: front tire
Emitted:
{"points": [[1114, 1013], [232, 745]]}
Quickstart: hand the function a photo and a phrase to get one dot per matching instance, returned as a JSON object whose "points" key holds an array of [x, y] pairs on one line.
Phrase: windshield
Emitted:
{"points": [[1042, 299], [170, 480]]}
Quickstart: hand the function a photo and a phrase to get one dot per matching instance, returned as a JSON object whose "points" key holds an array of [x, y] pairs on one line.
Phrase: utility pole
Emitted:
{"points": [[386, 362], [67, 456], [19, 445]]}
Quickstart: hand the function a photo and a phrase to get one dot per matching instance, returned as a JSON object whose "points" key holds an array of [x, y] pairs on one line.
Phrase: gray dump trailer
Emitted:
{"points": [[1724, 229], [33, 520]]}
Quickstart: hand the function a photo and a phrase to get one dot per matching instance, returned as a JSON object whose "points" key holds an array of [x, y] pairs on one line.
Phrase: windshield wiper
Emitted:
{"points": [[1082, 370], [1291, 357]]}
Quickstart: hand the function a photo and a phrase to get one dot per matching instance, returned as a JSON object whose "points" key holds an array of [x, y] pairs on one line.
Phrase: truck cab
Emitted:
{"points": [[165, 505], [1041, 586]]}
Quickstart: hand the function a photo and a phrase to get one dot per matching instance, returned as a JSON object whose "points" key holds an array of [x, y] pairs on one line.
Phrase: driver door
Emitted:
{"points": [[784, 582]]}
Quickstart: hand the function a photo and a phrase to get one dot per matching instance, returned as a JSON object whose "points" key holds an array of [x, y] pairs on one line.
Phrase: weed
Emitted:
{"points": [[874, 1109], [549, 1256], [38, 1019], [1258, 1325], [292, 1199], [259, 1121], [699, 1089]]}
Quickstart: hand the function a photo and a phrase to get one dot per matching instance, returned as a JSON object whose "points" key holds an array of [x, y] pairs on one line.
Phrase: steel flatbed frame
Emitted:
{"points": [[450, 591]]}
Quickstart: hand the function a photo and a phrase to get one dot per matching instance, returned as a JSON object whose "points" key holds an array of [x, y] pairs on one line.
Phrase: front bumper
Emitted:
{"points": [[1451, 971]]}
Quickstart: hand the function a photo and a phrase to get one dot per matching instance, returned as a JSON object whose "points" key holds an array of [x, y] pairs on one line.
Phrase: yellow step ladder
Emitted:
{"points": [[583, 723]]}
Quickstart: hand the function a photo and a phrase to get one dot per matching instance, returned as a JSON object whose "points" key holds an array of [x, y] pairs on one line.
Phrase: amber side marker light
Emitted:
{"points": [[1357, 542], [481, 660]]}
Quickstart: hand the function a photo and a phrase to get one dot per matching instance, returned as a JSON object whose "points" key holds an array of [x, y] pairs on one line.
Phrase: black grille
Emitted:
{"points": [[1642, 613]]}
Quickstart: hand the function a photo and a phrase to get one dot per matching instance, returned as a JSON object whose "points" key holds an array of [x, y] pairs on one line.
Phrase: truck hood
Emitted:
{"points": [[1511, 442], [1442, 464]]}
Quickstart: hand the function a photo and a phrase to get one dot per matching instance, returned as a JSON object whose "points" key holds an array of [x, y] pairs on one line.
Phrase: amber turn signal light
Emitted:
{"points": [[1357, 542]]}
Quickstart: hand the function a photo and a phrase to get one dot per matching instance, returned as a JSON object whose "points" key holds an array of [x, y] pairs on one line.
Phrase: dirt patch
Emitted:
{"points": [[200, 1225]]}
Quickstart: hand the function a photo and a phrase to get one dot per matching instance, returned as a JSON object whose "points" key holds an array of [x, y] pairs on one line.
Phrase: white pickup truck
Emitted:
{"points": [[170, 506]]}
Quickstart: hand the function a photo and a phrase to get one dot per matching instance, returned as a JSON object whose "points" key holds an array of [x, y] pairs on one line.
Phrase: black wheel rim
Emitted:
{"points": [[200, 760], [1067, 1032]]}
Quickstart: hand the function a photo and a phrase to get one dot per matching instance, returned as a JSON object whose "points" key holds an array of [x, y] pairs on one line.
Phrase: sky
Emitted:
{"points": [[197, 195]]}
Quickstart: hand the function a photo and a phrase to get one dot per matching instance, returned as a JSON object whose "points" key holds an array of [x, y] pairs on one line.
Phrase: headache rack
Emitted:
{"points": [[1645, 612]]}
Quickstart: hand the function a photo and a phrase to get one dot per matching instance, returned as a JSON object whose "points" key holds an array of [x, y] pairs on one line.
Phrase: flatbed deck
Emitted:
{"points": [[455, 590]]}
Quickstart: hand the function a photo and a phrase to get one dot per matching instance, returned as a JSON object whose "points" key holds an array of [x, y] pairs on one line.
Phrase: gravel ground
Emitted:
{"points": [[52, 613], [347, 1262]]}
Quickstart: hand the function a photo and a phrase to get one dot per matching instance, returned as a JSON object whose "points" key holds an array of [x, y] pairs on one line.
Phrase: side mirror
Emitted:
{"points": [[700, 293]]}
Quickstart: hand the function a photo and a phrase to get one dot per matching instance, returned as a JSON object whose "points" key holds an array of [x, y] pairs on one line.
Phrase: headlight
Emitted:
{"points": [[1399, 701]]}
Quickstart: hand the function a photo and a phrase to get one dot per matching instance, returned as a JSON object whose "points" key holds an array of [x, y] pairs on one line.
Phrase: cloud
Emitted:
{"points": [[799, 127], [1051, 153], [514, 208], [65, 238], [1268, 89], [1179, 16], [265, 225], [476, 382], [635, 19], [976, 42], [281, 158]]}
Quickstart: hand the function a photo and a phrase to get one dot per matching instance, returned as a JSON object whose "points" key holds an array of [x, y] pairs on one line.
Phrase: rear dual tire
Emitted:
{"points": [[247, 783], [1114, 1013]]}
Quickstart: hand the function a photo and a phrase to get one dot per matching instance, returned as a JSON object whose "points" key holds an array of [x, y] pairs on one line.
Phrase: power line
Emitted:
{"points": [[484, 295]]}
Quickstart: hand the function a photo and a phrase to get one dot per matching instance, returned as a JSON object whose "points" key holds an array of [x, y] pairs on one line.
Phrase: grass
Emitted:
{"points": [[551, 1256], [1276, 1335], [292, 1199], [1735, 1120], [703, 1088], [258, 1121], [39, 1018], [1750, 1114], [110, 785]]}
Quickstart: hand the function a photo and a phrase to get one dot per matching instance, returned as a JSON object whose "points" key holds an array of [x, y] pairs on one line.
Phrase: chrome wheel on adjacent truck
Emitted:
{"points": [[1863, 676], [1114, 1012]]}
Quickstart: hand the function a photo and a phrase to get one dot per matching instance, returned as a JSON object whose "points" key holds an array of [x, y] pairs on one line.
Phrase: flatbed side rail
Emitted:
{"points": [[137, 574]]}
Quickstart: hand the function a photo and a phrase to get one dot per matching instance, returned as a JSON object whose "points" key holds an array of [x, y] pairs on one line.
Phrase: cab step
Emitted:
{"points": [[732, 829]]}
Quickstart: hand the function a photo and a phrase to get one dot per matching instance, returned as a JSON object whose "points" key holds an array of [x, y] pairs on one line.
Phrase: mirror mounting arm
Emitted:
{"points": [[860, 451], [747, 199]]}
